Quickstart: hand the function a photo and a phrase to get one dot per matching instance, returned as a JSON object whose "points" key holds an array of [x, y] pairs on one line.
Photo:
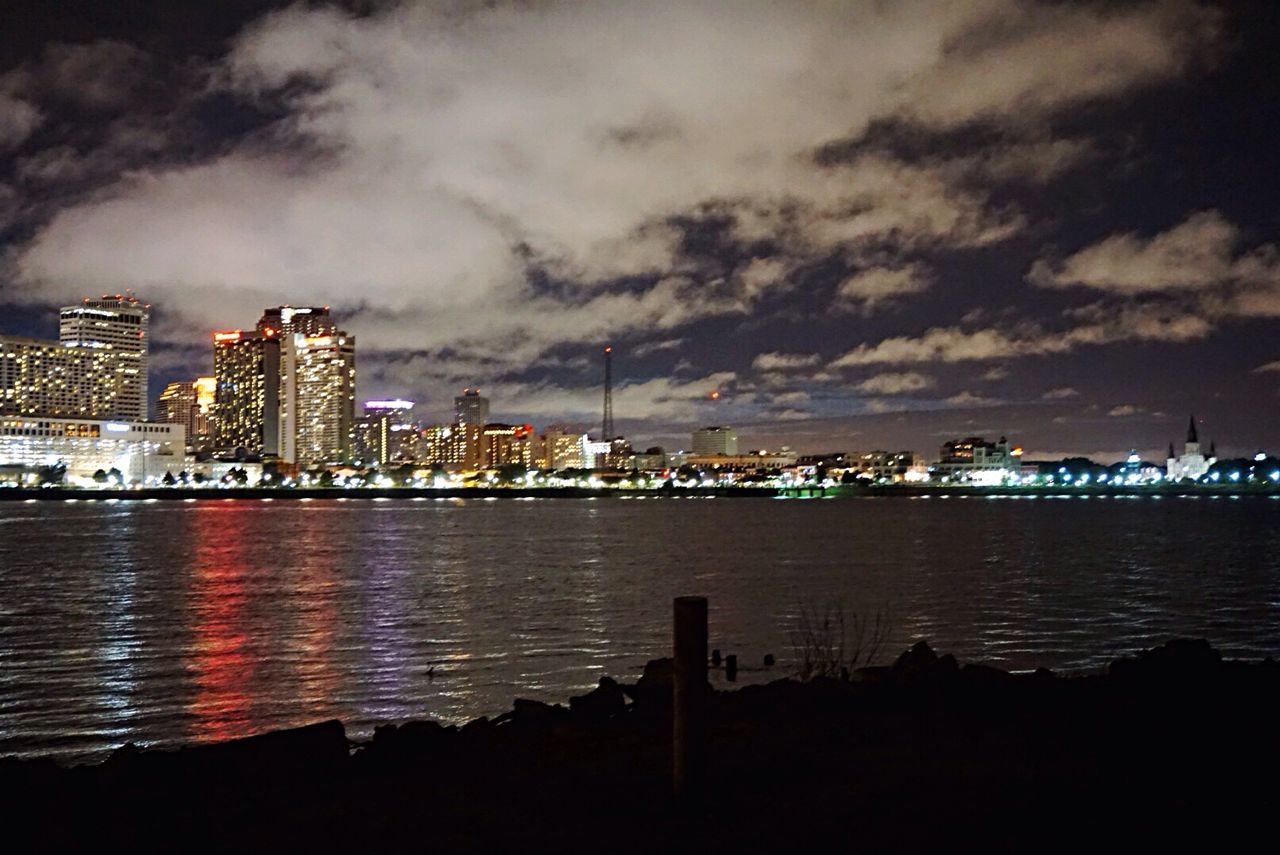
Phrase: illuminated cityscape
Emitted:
{"points": [[280, 404]]}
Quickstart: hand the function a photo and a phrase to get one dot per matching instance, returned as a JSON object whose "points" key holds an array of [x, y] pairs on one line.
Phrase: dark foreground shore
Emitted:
{"points": [[1172, 750]]}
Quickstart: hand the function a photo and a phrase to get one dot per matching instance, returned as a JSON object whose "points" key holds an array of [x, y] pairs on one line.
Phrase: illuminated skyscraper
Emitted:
{"points": [[246, 411], [285, 321], [117, 325], [189, 403], [471, 408], [319, 397], [40, 377], [385, 433], [177, 405]]}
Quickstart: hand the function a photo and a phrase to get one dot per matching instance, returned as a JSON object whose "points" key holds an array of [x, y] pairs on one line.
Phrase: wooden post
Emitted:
{"points": [[689, 736]]}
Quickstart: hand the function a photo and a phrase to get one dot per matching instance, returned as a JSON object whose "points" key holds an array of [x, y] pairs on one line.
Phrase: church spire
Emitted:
{"points": [[1191, 431], [1171, 451]]}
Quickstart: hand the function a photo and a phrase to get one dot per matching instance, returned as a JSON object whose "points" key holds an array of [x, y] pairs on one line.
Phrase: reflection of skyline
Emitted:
{"points": [[218, 654]]}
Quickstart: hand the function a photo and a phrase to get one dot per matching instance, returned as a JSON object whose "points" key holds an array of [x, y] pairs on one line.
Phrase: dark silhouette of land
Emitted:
{"points": [[1173, 749]]}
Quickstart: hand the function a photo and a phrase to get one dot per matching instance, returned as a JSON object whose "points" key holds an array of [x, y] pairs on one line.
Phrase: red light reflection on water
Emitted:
{"points": [[218, 654]]}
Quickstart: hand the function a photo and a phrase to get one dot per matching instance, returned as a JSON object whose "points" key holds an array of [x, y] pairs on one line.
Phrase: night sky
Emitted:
{"points": [[869, 225]]}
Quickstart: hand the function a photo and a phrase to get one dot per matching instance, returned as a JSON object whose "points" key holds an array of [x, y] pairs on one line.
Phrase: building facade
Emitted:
{"points": [[142, 452], [716, 439], [246, 409], [1192, 464], [120, 326], [385, 433], [318, 397], [975, 459], [506, 445], [471, 408], [895, 466], [49, 378]]}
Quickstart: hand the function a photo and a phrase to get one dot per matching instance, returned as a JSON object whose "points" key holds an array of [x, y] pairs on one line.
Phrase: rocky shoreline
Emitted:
{"points": [[1174, 747]]}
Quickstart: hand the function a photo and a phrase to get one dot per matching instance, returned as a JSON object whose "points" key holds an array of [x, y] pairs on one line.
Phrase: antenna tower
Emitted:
{"points": [[606, 427]]}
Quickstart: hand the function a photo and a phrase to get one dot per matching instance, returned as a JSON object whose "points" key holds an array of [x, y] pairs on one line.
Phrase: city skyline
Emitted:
{"points": [[1076, 253]]}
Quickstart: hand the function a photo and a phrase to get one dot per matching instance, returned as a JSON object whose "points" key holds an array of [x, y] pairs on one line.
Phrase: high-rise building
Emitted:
{"points": [[318, 397], [177, 405], [385, 433], [117, 325], [716, 439], [471, 408], [246, 411], [39, 377], [285, 321], [206, 396]]}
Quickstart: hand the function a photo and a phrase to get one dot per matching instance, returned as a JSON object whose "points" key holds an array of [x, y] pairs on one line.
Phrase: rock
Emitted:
{"points": [[602, 702], [985, 675], [1174, 661], [653, 691], [533, 713], [914, 663]]}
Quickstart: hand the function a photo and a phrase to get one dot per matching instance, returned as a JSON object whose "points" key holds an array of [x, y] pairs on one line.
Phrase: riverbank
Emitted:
{"points": [[62, 494], [1173, 747], [19, 494]]}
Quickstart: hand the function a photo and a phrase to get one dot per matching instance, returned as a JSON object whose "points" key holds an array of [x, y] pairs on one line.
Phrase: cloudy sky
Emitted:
{"points": [[866, 224]]}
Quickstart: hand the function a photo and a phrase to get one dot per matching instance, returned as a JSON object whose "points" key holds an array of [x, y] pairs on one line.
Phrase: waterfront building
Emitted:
{"points": [[385, 433], [505, 445], [247, 385], [651, 460], [39, 377], [188, 403], [975, 459], [831, 460], [1192, 463], [456, 446], [142, 452], [119, 326], [471, 408], [558, 449], [716, 439], [317, 398], [895, 466], [750, 462]]}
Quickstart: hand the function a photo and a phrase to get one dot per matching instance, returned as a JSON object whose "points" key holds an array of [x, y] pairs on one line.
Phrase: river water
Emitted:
{"points": [[173, 622]]}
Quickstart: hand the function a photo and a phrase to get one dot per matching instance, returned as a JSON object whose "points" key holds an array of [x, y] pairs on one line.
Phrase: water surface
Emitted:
{"points": [[172, 622]]}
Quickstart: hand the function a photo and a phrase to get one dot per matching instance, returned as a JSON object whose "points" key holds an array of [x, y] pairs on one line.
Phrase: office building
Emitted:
{"points": [[285, 321], [39, 377], [117, 325], [715, 440], [557, 449], [505, 445], [471, 408], [385, 433], [318, 397], [142, 452], [247, 383], [188, 403]]}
